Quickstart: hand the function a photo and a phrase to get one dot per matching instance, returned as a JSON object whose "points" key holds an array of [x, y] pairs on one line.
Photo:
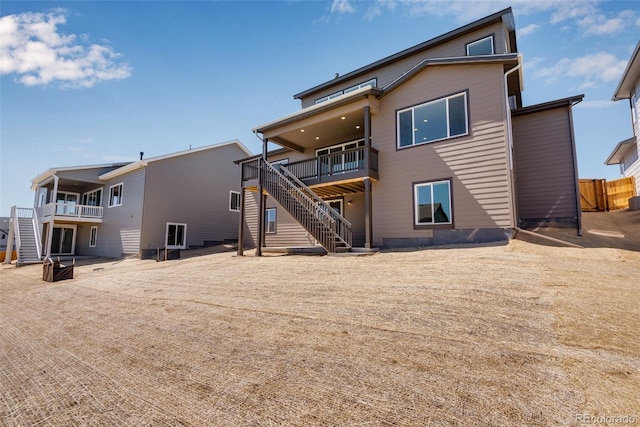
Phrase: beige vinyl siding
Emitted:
{"points": [[395, 70], [546, 186], [250, 218], [119, 233], [477, 163], [192, 189], [288, 231]]}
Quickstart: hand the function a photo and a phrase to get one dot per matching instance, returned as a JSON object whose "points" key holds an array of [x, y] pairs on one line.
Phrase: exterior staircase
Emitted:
{"points": [[324, 223], [25, 230]]}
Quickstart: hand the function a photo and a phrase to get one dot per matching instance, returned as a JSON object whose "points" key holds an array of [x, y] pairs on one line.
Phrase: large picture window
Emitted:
{"points": [[176, 236], [432, 203], [433, 121], [270, 220], [115, 195]]}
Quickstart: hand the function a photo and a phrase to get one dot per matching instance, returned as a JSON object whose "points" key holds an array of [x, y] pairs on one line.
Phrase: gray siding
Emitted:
{"points": [[395, 70], [119, 232], [477, 164], [546, 185], [192, 189]]}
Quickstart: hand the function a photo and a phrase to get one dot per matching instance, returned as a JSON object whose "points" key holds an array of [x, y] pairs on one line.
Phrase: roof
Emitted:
{"points": [[564, 102], [143, 163], [52, 171], [620, 152], [504, 15], [629, 78]]}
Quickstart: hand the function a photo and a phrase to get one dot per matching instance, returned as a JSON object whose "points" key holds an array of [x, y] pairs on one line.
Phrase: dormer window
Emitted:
{"points": [[483, 46], [372, 83]]}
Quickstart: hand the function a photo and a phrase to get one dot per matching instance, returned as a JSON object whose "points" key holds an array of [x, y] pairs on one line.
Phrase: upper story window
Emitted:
{"points": [[433, 121], [92, 198], [635, 107], [115, 195], [481, 47], [372, 83]]}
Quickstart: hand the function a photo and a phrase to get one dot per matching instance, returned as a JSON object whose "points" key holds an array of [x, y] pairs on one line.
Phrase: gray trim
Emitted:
{"points": [[564, 102], [449, 237], [504, 15]]}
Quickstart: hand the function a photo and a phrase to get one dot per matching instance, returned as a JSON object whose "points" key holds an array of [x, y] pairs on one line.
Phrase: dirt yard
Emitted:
{"points": [[519, 334]]}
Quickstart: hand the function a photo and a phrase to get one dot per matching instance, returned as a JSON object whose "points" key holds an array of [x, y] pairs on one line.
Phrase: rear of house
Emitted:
{"points": [[181, 200], [415, 149]]}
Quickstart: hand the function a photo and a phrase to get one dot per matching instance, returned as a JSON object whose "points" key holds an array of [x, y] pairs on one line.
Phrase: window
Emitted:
{"points": [[234, 201], [176, 236], [433, 121], [481, 47], [372, 83], [92, 198], [432, 203], [341, 158], [270, 220], [115, 195], [635, 107], [93, 236]]}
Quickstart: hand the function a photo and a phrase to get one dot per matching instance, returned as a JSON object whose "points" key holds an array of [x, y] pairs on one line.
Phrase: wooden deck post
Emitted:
{"points": [[261, 201], [368, 224], [241, 221]]}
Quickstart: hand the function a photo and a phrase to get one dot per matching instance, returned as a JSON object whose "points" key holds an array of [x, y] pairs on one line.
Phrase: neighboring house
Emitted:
{"points": [[180, 200], [430, 145], [4, 232], [627, 152]]}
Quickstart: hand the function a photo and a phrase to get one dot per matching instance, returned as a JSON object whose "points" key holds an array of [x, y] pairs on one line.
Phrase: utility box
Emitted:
{"points": [[54, 271]]}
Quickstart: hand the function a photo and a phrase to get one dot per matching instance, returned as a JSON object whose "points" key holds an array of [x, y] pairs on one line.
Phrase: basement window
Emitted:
{"points": [[270, 220]]}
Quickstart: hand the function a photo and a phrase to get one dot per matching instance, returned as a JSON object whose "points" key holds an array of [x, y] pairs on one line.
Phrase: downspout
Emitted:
{"points": [[514, 201]]}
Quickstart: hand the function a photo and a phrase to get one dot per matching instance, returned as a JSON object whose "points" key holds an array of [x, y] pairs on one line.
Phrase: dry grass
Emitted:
{"points": [[496, 335]]}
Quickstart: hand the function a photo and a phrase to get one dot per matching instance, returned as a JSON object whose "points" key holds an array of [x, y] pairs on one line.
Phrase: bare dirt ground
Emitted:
{"points": [[520, 334]]}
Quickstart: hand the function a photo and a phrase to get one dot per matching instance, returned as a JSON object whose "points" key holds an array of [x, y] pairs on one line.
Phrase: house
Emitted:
{"points": [[428, 146], [180, 200], [627, 152]]}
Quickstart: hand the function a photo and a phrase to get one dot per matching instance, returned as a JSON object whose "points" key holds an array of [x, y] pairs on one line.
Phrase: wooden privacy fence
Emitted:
{"points": [[599, 195]]}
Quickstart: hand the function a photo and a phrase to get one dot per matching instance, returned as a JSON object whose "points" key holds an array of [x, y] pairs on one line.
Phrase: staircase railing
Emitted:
{"points": [[28, 213], [343, 227], [306, 207]]}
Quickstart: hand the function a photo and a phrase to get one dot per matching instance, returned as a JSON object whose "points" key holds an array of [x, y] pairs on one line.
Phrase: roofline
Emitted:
{"points": [[505, 15], [318, 108], [52, 171], [628, 141], [143, 163], [514, 58], [633, 58], [564, 102]]}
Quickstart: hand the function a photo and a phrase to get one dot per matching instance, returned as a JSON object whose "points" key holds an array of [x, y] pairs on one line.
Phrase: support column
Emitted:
{"points": [[12, 224], [368, 211], [367, 137], [241, 223], [261, 204], [54, 197]]}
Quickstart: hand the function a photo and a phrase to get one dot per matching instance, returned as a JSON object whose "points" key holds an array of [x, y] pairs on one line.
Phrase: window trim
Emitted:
{"points": [[231, 194], [95, 190], [275, 220], [121, 185], [436, 225], [635, 107], [493, 45], [184, 236], [371, 82], [464, 93], [93, 236]]}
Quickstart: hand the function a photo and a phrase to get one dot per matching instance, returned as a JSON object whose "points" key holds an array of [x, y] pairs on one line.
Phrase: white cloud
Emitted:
{"points": [[32, 48], [598, 24], [591, 69], [342, 6], [531, 28]]}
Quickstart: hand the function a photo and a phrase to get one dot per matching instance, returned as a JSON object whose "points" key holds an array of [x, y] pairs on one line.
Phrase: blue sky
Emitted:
{"points": [[98, 82]]}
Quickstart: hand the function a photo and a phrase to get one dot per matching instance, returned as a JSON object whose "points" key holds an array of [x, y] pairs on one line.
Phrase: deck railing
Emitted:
{"points": [[352, 160], [70, 210]]}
